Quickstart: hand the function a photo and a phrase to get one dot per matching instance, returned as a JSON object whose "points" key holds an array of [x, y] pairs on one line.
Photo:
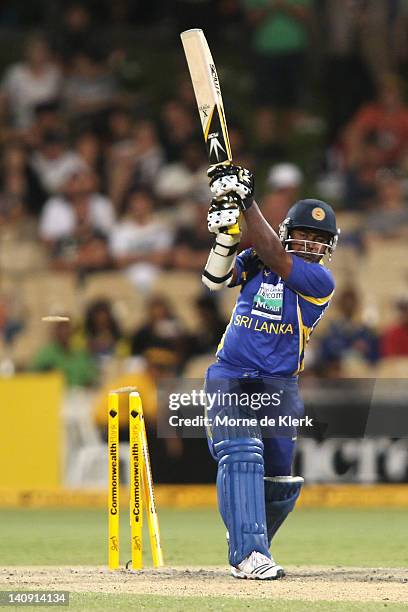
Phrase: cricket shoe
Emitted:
{"points": [[258, 567]]}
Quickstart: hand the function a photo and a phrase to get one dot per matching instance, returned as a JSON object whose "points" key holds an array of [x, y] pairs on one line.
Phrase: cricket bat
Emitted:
{"points": [[207, 91]]}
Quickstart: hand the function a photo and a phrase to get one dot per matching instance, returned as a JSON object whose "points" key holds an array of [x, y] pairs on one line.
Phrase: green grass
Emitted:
{"points": [[94, 601], [197, 537], [131, 603]]}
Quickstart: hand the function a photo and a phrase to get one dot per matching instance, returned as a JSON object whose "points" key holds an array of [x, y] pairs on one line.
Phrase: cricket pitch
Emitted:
{"points": [[354, 584]]}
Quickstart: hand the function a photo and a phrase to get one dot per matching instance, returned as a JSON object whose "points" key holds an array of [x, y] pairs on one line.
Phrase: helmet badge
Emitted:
{"points": [[318, 214]]}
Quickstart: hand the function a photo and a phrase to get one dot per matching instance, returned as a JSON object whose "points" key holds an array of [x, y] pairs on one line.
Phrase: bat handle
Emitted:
{"points": [[233, 230]]}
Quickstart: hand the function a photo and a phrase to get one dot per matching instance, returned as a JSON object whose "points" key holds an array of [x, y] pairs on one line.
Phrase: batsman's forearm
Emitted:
{"points": [[266, 242], [263, 237]]}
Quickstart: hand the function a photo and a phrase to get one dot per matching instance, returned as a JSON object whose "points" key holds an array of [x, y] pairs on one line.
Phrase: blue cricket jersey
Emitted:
{"points": [[273, 319]]}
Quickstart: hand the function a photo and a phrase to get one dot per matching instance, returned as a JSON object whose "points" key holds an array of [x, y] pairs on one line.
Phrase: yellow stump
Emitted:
{"points": [[114, 482], [152, 518], [141, 482], [135, 479]]}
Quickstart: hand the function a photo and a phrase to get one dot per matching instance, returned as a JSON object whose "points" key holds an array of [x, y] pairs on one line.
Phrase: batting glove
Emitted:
{"points": [[223, 213], [228, 179]]}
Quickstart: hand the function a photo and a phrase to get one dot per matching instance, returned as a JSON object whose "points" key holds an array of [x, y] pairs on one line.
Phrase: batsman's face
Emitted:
{"points": [[309, 244]]}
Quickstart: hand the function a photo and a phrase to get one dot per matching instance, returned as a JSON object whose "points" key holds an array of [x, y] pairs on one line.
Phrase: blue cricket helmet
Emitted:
{"points": [[311, 214]]}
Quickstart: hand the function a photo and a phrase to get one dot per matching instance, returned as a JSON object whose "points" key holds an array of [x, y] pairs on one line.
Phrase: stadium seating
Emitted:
{"points": [[197, 366], [393, 367], [181, 289], [128, 304], [19, 257]]}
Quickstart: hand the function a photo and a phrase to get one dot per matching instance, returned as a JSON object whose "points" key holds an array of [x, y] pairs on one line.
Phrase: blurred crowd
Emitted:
{"points": [[106, 173]]}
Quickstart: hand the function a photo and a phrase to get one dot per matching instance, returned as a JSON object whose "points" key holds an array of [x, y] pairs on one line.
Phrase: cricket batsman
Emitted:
{"points": [[285, 290]]}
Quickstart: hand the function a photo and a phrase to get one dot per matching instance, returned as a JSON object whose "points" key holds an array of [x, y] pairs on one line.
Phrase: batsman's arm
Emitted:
{"points": [[222, 220], [266, 242], [219, 269], [237, 184]]}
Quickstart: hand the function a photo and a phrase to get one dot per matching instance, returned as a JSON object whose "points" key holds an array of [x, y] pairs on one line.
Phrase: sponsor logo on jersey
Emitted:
{"points": [[268, 302]]}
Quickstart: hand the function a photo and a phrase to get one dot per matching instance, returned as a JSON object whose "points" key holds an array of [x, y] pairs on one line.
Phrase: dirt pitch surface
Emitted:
{"points": [[302, 583]]}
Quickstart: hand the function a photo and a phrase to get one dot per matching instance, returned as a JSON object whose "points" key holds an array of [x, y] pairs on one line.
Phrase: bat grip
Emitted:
{"points": [[233, 230]]}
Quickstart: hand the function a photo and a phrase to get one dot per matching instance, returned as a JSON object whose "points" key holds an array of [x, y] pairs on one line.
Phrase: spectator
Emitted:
{"points": [[11, 318], [13, 214], [193, 242], [185, 94], [102, 330], [358, 51], [147, 156], [120, 128], [140, 243], [79, 201], [346, 335], [267, 144], [21, 191], [76, 364], [120, 155], [165, 452], [75, 34], [360, 178], [210, 328], [283, 182], [47, 119], [387, 118], [85, 250], [389, 219], [135, 157], [162, 329], [16, 223], [182, 179], [331, 369], [394, 341], [53, 161], [159, 363], [90, 92], [280, 41], [177, 129], [89, 148], [29, 83]]}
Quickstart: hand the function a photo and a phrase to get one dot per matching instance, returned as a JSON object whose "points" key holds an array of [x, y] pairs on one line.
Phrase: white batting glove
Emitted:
{"points": [[223, 214], [228, 179]]}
